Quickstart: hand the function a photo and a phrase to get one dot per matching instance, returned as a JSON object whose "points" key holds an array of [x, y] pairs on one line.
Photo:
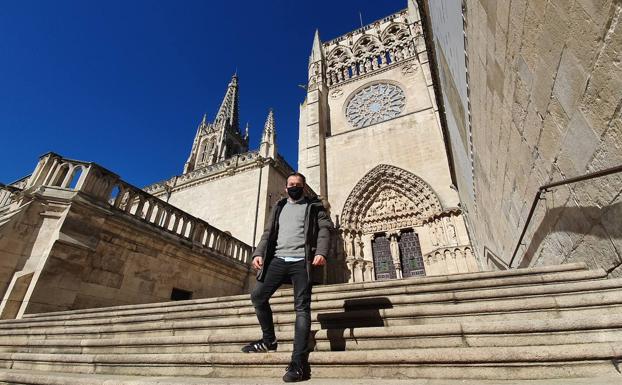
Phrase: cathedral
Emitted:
{"points": [[396, 210], [394, 205], [397, 213], [385, 141], [469, 154]]}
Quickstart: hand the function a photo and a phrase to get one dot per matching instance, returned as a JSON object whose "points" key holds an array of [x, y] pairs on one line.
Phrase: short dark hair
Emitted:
{"points": [[304, 180]]}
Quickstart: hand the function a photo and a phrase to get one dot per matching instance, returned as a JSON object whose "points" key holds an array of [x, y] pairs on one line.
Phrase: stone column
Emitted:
{"points": [[450, 261], [368, 257], [370, 271], [358, 270], [364, 272], [349, 264], [367, 247], [395, 252], [470, 260], [461, 261], [442, 263]]}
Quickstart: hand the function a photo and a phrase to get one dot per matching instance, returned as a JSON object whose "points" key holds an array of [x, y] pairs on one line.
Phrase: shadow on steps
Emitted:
{"points": [[358, 313]]}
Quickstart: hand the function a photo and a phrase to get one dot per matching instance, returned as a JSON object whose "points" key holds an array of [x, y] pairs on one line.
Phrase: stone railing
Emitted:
{"points": [[10, 191], [372, 25], [108, 188], [346, 62], [6, 195], [338, 73]]}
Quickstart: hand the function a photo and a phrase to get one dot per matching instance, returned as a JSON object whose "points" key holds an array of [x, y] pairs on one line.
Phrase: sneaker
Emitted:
{"points": [[260, 347], [296, 372]]}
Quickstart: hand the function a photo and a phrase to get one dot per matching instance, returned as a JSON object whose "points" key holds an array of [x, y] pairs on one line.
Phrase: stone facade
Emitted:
{"points": [[414, 129], [371, 144], [76, 237], [542, 86]]}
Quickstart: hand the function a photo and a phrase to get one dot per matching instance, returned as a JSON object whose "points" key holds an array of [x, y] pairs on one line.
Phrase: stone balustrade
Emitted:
{"points": [[372, 51], [6, 195], [10, 191], [107, 187]]}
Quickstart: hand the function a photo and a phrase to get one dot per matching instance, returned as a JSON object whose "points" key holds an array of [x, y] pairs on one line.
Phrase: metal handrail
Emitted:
{"points": [[545, 188]]}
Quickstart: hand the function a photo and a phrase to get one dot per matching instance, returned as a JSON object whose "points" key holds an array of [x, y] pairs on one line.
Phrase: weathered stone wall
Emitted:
{"points": [[228, 203], [14, 250], [545, 86], [83, 253], [104, 259], [231, 202]]}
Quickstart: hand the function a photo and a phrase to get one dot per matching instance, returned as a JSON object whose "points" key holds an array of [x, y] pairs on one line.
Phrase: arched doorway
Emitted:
{"points": [[381, 223]]}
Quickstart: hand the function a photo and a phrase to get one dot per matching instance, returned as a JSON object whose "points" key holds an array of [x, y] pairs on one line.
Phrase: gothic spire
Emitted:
{"points": [[229, 110], [267, 147], [316, 51]]}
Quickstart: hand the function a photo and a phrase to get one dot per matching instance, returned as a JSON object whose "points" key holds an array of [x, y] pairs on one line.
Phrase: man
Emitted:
{"points": [[296, 238]]}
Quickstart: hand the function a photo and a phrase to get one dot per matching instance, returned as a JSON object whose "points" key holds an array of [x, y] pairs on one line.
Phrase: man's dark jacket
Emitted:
{"points": [[317, 228]]}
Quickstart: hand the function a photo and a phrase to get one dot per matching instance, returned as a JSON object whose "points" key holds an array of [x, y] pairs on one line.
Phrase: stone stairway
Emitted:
{"points": [[547, 322]]}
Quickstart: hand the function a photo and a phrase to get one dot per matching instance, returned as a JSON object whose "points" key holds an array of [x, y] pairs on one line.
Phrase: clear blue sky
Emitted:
{"points": [[125, 83]]}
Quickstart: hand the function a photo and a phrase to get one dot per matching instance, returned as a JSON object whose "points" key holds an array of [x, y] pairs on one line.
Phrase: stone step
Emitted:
{"points": [[601, 302], [525, 362], [487, 289], [21, 377], [473, 278], [507, 333]]}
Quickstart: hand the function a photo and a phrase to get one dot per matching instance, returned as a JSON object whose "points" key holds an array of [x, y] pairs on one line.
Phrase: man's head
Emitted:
{"points": [[294, 185]]}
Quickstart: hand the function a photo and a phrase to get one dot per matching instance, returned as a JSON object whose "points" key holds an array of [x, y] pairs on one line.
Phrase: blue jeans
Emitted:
{"points": [[280, 272]]}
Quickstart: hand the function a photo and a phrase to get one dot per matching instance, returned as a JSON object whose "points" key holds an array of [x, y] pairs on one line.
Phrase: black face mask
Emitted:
{"points": [[294, 192]]}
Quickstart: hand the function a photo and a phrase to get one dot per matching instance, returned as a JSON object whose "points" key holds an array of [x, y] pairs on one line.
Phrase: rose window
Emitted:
{"points": [[374, 104]]}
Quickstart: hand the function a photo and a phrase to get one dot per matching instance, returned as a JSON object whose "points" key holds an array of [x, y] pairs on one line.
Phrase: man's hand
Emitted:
{"points": [[257, 262], [319, 260]]}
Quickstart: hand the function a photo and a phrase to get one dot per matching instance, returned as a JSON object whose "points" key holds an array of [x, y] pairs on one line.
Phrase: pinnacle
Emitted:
{"points": [[229, 109], [316, 51]]}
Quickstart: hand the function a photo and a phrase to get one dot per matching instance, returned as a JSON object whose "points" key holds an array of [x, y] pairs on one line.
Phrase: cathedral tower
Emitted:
{"points": [[371, 144], [217, 141], [224, 183]]}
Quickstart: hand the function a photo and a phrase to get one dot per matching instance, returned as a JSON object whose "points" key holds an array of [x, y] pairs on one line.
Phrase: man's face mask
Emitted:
{"points": [[294, 192]]}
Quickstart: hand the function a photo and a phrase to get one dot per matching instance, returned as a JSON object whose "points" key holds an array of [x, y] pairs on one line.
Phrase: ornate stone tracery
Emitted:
{"points": [[371, 48], [374, 104], [387, 198]]}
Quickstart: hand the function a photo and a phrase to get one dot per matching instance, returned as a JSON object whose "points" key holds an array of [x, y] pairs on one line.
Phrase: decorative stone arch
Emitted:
{"points": [[389, 197], [395, 31], [367, 44], [340, 54], [206, 149]]}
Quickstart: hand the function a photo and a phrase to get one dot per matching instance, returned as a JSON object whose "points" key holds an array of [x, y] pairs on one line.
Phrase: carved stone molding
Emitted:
{"points": [[410, 68], [336, 93], [370, 49], [389, 197]]}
